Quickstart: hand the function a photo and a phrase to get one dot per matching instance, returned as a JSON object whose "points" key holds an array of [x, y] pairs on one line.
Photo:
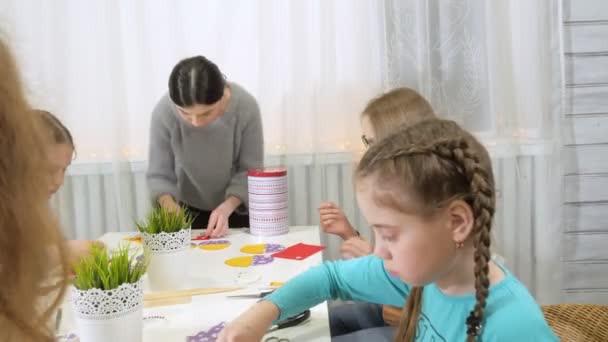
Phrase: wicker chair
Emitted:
{"points": [[578, 322]]}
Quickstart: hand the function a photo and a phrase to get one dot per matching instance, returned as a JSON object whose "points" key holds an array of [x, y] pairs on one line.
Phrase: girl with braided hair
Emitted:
{"points": [[428, 193]]}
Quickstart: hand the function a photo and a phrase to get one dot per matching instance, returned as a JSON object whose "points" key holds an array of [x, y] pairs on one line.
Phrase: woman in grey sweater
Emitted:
{"points": [[204, 136]]}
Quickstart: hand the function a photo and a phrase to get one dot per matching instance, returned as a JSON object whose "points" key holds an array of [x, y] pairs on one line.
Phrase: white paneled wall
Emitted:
{"points": [[585, 255]]}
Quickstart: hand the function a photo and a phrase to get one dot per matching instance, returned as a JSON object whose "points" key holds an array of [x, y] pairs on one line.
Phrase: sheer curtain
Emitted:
{"points": [[494, 66], [102, 65]]}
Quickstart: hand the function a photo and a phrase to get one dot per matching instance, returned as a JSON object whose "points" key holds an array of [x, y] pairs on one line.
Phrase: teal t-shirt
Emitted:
{"points": [[511, 313]]}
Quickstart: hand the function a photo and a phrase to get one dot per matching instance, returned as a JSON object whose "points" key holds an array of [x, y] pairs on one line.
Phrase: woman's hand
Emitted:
{"points": [[78, 249], [218, 220], [252, 325]]}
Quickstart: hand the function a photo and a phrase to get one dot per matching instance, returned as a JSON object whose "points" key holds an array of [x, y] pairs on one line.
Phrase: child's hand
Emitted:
{"points": [[78, 249], [355, 247], [251, 326], [167, 202], [333, 221], [391, 315]]}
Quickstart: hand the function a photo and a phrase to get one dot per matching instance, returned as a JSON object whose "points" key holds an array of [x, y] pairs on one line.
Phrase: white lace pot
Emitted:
{"points": [[168, 269], [109, 315]]}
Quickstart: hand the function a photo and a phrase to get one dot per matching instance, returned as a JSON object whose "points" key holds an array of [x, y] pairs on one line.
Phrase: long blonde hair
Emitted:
{"points": [[435, 162], [397, 107], [28, 230]]}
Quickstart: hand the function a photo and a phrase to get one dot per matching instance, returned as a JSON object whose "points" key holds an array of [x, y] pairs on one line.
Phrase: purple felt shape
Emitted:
{"points": [[261, 260], [207, 336], [215, 242], [274, 248]]}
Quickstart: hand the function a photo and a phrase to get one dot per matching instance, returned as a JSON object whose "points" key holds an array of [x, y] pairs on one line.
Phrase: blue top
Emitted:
{"points": [[511, 313]]}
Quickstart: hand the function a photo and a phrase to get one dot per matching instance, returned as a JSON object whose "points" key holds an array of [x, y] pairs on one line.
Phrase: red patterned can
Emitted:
{"points": [[268, 201]]}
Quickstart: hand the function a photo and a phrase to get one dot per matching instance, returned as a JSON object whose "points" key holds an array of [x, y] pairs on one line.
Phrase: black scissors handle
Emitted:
{"points": [[294, 320]]}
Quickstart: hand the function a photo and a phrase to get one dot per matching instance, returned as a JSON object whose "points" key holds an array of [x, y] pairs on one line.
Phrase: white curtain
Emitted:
{"points": [[494, 66], [101, 66]]}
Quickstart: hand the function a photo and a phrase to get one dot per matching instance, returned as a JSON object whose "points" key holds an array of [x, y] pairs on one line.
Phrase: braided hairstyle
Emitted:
{"points": [[436, 162], [196, 80]]}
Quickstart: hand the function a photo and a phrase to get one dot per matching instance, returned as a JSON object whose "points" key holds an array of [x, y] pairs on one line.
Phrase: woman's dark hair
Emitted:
{"points": [[196, 80]]}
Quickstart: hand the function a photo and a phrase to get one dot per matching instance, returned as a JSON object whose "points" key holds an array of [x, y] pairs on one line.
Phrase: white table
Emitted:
{"points": [[207, 269]]}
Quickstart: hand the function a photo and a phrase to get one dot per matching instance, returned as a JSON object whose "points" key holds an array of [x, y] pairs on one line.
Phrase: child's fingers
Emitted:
{"points": [[330, 211], [327, 205], [326, 217], [327, 222]]}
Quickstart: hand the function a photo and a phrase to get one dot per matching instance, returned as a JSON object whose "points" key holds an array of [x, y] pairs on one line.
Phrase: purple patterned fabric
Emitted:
{"points": [[207, 336], [274, 247], [261, 260], [215, 242]]}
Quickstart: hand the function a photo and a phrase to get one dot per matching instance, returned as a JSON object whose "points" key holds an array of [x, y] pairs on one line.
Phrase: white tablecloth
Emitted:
{"points": [[207, 269]]}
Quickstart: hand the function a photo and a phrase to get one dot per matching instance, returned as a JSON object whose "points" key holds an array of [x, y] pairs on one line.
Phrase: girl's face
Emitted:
{"points": [[60, 158], [417, 250]]}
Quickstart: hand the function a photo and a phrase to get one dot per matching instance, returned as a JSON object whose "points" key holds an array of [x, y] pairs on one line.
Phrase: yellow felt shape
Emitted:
{"points": [[244, 261], [260, 248], [215, 247]]}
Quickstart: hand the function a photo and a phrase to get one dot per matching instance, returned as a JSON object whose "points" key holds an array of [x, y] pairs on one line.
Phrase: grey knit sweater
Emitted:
{"points": [[201, 166]]}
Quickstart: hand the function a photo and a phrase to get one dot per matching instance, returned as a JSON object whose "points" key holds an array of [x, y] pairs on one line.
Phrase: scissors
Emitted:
{"points": [[253, 295], [287, 323], [276, 339]]}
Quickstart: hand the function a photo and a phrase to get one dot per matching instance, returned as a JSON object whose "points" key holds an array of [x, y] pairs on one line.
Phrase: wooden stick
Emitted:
{"points": [[187, 293], [151, 303]]}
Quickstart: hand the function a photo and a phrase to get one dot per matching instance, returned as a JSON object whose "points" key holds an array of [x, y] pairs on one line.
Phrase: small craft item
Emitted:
{"points": [[71, 337], [211, 245], [299, 251], [262, 248], [247, 277], [155, 321], [207, 335], [252, 260], [136, 238]]}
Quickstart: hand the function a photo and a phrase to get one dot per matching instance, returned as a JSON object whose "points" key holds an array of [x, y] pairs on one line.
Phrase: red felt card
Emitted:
{"points": [[300, 251]]}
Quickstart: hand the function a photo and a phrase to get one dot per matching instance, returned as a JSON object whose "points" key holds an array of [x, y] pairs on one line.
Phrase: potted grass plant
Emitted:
{"points": [[107, 297], [166, 234]]}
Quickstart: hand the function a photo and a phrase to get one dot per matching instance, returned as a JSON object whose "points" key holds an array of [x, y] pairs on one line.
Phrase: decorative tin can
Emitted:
{"points": [[268, 201]]}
